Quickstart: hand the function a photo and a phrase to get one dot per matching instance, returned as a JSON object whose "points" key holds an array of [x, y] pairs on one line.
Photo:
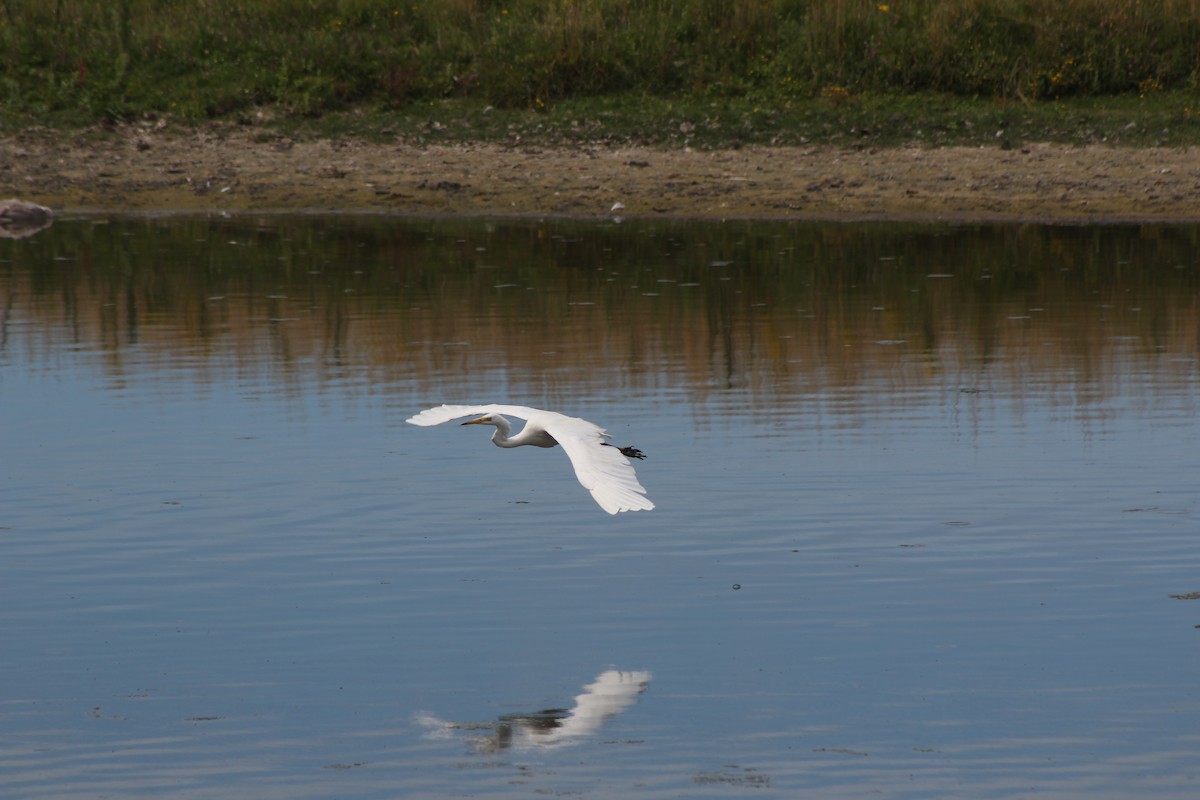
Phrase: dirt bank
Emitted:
{"points": [[236, 169]]}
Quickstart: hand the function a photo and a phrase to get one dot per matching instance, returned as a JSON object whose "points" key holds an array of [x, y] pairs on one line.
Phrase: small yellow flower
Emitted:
{"points": [[885, 7]]}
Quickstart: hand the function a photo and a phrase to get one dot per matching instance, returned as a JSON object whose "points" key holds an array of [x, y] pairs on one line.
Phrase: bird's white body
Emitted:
{"points": [[602, 468]]}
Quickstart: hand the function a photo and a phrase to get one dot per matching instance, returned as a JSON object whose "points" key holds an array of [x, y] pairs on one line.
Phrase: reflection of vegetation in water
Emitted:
{"points": [[553, 309]]}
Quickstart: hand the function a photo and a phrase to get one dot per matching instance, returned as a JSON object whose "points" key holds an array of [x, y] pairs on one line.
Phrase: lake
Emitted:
{"points": [[927, 510]]}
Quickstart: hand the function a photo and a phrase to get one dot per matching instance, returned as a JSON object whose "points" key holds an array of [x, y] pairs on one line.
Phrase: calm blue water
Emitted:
{"points": [[924, 495]]}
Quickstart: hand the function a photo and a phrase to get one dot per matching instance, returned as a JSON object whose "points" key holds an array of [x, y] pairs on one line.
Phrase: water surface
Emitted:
{"points": [[926, 524]]}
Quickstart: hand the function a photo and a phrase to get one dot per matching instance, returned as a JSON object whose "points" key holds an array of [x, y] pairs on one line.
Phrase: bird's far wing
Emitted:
{"points": [[602, 470], [436, 416]]}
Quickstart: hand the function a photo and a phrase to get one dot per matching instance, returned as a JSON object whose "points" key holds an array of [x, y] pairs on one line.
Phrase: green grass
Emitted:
{"points": [[870, 120], [700, 71]]}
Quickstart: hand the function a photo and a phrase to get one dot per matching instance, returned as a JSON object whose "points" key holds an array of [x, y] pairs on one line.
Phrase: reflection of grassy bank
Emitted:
{"points": [[757, 70], [542, 309]]}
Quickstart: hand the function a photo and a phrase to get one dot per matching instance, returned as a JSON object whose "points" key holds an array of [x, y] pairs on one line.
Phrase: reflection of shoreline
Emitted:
{"points": [[737, 314], [611, 693]]}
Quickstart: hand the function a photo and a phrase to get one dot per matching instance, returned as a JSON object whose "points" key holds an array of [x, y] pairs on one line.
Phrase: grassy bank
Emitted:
{"points": [[734, 69], [1166, 119]]}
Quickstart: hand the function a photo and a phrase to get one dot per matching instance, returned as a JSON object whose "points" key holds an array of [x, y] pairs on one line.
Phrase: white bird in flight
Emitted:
{"points": [[602, 468]]}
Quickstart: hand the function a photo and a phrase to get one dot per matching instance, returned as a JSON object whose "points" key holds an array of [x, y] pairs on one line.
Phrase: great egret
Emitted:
{"points": [[602, 468]]}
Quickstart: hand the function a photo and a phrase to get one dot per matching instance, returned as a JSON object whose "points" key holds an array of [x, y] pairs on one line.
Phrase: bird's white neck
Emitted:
{"points": [[531, 435], [503, 428]]}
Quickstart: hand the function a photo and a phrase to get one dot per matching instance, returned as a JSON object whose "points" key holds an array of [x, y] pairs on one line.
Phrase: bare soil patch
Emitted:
{"points": [[228, 168]]}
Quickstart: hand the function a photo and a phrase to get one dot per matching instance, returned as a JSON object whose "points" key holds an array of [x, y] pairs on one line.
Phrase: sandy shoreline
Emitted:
{"points": [[235, 169]]}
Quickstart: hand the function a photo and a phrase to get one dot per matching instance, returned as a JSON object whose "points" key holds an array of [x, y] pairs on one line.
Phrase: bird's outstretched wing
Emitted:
{"points": [[436, 416], [602, 470]]}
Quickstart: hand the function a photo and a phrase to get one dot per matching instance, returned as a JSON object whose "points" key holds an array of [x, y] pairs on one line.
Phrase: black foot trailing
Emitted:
{"points": [[632, 452]]}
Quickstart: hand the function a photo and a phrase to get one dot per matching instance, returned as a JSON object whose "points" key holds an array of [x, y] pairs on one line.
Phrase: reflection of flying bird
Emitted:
{"points": [[602, 468], [612, 692]]}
